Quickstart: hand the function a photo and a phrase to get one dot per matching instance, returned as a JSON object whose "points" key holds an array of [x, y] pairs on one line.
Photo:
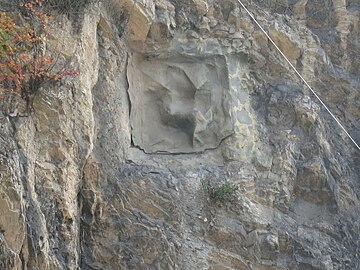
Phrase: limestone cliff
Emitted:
{"points": [[107, 172]]}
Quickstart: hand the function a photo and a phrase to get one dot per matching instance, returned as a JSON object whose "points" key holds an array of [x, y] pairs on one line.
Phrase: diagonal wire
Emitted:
{"points": [[298, 73]]}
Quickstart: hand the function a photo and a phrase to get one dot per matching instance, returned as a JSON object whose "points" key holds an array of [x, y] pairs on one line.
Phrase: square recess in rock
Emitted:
{"points": [[179, 104]]}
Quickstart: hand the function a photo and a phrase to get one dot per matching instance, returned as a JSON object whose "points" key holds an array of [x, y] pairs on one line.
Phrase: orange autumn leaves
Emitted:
{"points": [[24, 65]]}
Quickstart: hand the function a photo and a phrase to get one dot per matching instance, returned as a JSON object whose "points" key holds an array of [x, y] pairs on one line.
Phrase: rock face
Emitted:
{"points": [[179, 103], [108, 172]]}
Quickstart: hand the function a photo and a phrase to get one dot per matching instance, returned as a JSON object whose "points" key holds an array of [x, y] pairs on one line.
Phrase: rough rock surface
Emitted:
{"points": [[179, 103], [85, 182]]}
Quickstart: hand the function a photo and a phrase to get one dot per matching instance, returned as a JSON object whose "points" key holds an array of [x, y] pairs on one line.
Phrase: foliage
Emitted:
{"points": [[24, 63], [221, 194]]}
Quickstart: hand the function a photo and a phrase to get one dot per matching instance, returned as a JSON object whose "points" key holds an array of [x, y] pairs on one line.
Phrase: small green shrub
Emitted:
{"points": [[220, 194]]}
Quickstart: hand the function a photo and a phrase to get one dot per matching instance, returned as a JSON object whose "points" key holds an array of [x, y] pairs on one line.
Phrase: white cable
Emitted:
{"points": [[301, 77]]}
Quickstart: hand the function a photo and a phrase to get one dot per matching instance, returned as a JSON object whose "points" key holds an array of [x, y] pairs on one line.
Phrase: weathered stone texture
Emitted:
{"points": [[108, 171], [180, 104]]}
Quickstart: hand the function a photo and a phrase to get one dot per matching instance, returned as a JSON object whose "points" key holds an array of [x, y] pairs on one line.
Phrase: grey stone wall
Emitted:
{"points": [[108, 171]]}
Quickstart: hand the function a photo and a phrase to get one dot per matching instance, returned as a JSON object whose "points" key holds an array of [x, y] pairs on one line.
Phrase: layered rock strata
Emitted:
{"points": [[108, 171]]}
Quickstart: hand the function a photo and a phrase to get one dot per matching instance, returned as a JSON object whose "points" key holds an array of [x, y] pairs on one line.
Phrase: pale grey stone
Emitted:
{"points": [[243, 117], [179, 103]]}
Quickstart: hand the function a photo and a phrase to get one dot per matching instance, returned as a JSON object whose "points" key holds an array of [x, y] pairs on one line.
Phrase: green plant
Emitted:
{"points": [[221, 193], [25, 64]]}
